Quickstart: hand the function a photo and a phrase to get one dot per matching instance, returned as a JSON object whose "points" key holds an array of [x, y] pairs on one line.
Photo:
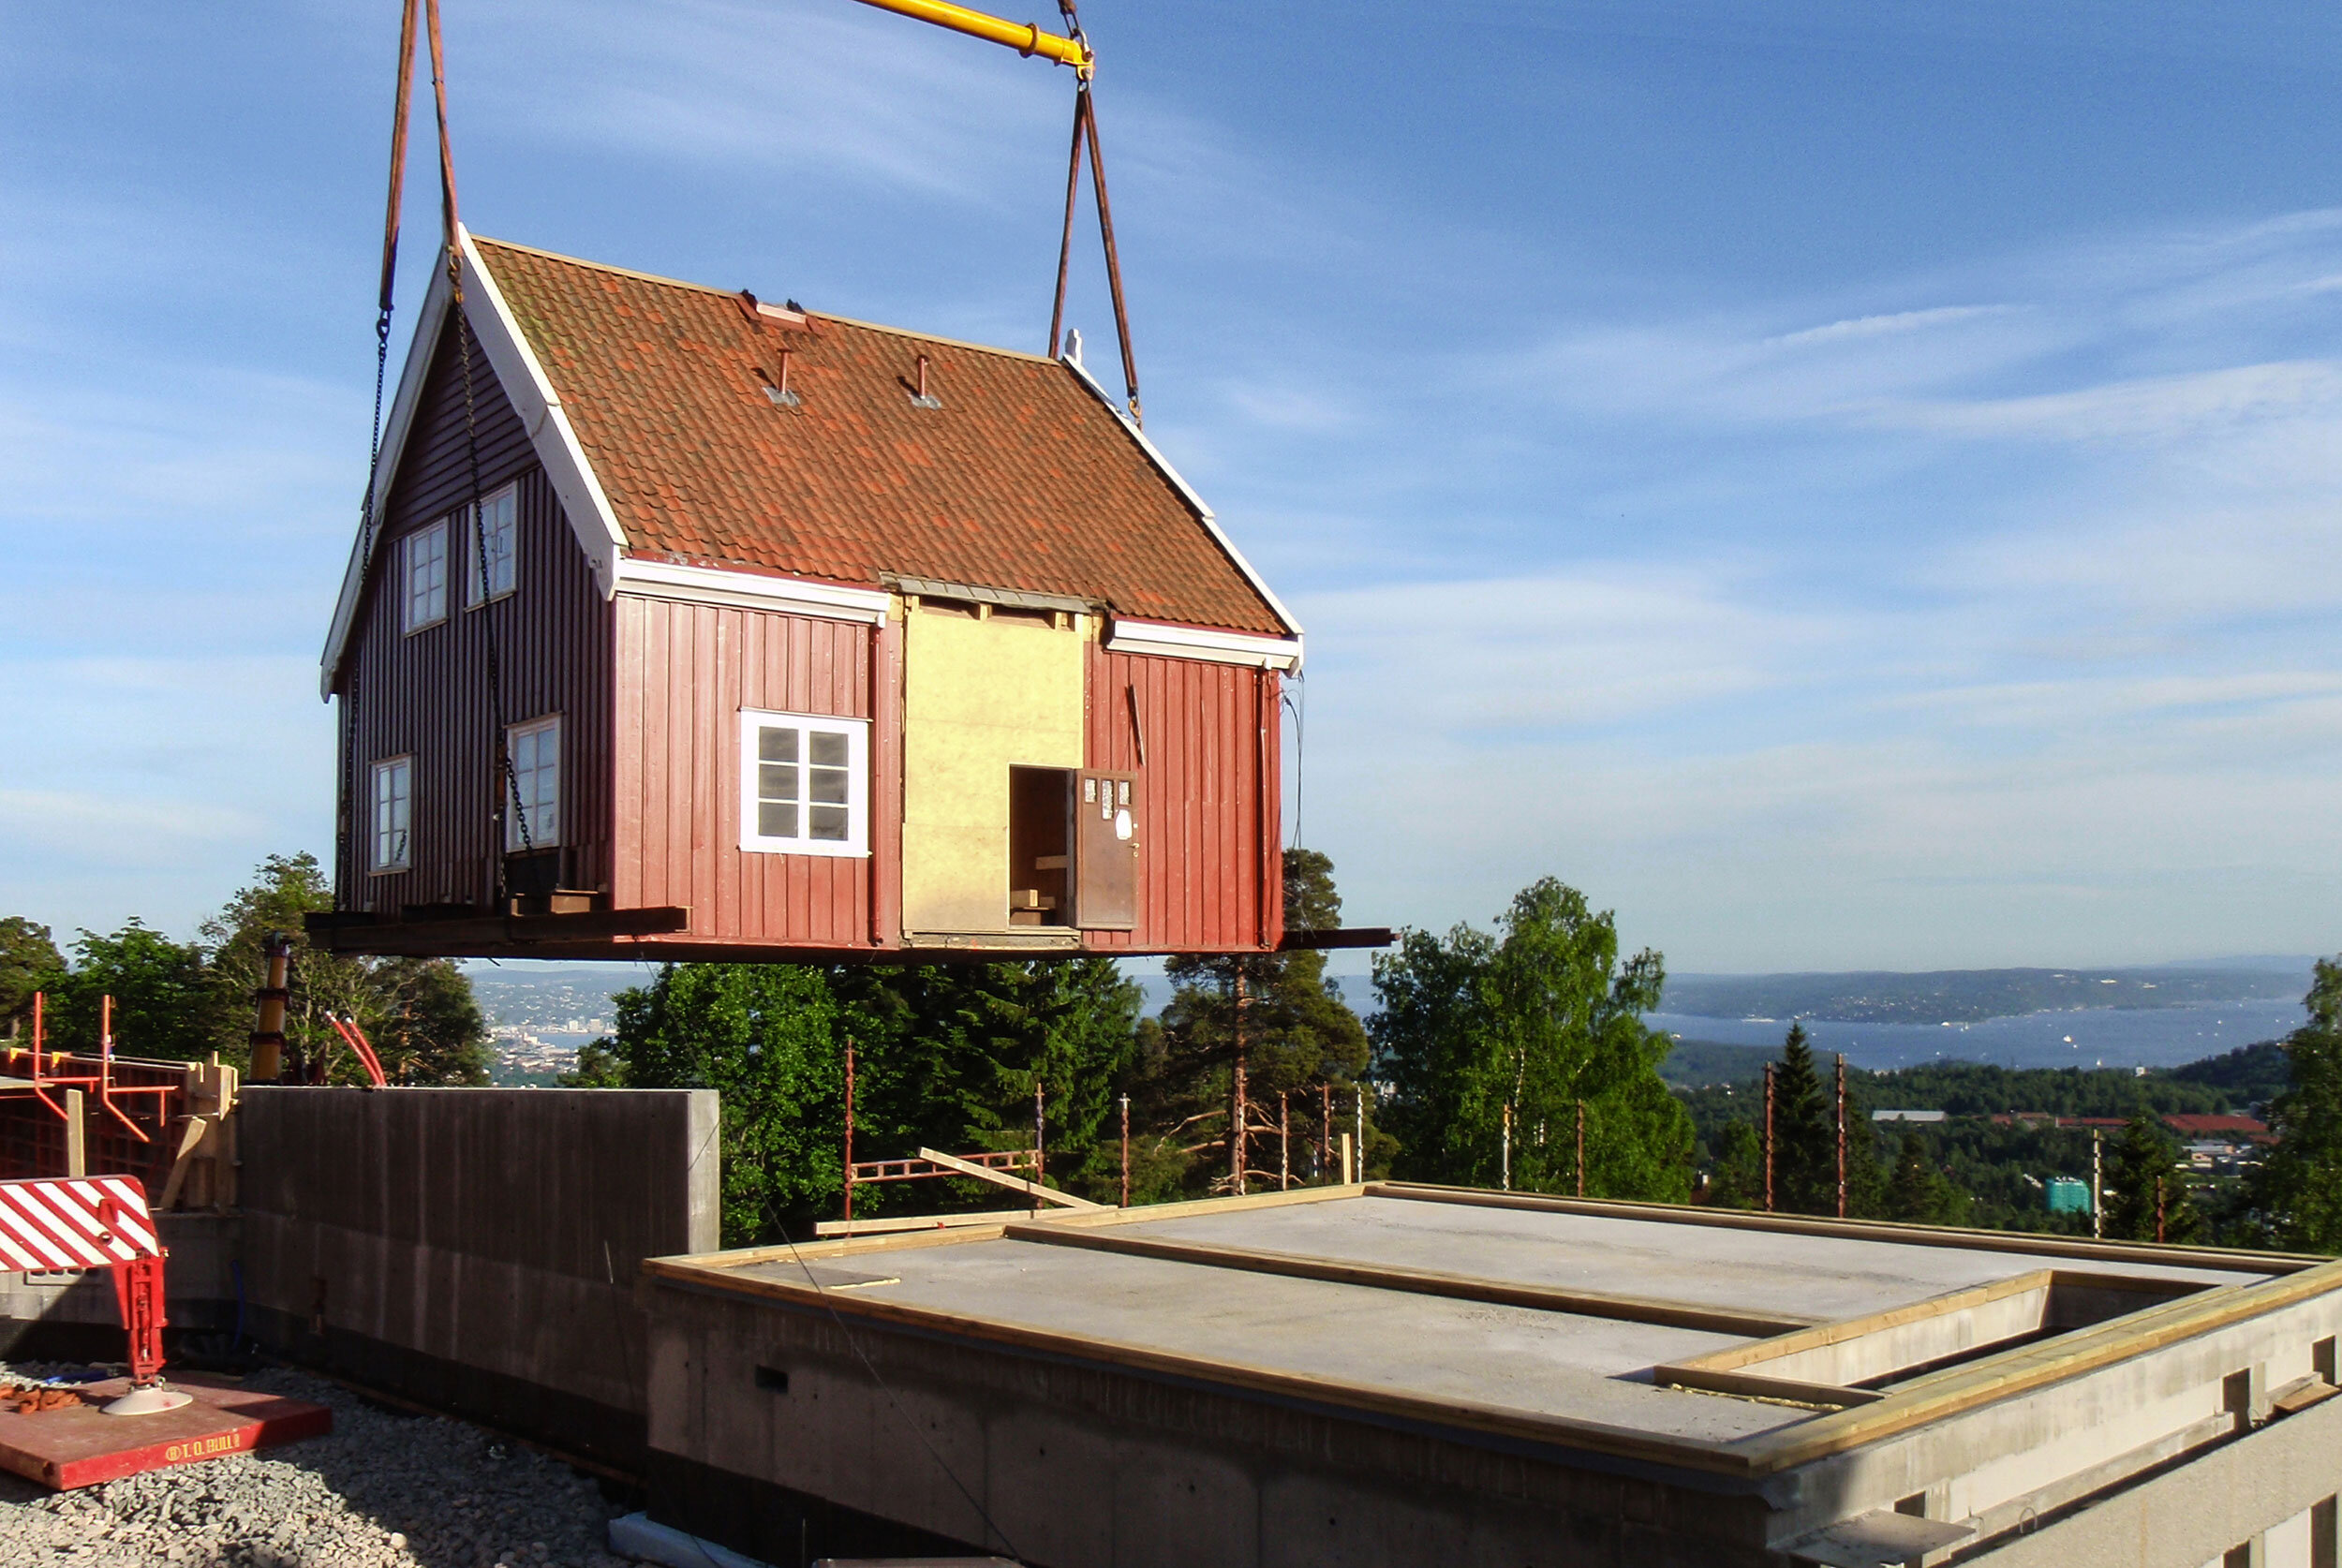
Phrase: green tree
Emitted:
{"points": [[1541, 1018], [157, 987], [1804, 1131], [956, 1051], [2143, 1178], [1918, 1192], [1275, 1017], [29, 962], [764, 1037], [2299, 1190], [419, 1014]]}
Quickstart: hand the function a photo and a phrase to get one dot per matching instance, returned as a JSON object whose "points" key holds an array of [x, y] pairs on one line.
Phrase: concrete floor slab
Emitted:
{"points": [[1518, 1358], [1819, 1276]]}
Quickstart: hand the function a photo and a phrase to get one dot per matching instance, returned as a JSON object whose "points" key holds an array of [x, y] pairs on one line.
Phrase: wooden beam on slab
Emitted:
{"points": [[1001, 1178], [899, 1223], [1421, 1282]]}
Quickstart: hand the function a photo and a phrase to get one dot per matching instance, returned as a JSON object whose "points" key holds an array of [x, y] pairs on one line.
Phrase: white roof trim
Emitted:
{"points": [[1188, 641], [1162, 464], [699, 584], [531, 394]]}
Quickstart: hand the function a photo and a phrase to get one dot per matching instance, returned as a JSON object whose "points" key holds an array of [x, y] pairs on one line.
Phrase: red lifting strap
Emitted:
{"points": [[399, 115]]}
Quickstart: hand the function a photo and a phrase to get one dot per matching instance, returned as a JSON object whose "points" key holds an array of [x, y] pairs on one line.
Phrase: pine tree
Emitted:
{"points": [[1919, 1194], [1804, 1131], [2142, 1177], [1292, 1036], [2300, 1186]]}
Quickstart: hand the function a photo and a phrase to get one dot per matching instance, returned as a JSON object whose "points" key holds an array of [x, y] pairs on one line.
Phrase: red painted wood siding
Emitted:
{"points": [[426, 694], [684, 673], [1210, 872]]}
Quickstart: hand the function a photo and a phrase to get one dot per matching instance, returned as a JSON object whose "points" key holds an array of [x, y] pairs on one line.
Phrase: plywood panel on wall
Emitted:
{"points": [[980, 696]]}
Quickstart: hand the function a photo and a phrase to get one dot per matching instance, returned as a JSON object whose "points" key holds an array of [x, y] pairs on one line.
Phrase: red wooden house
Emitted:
{"points": [[774, 633]]}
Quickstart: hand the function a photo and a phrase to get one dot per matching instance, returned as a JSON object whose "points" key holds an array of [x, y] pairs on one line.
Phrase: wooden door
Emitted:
{"points": [[1106, 851]]}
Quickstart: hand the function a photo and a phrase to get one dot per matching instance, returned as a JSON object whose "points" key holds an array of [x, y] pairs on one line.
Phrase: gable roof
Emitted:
{"points": [[647, 401]]}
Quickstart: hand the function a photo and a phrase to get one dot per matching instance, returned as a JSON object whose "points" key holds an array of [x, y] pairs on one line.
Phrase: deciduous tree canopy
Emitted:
{"points": [[1540, 1016]]}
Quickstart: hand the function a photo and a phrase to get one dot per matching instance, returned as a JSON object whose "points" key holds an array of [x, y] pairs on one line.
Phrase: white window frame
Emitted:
{"points": [[538, 838], [499, 520], [857, 733], [434, 599], [394, 813]]}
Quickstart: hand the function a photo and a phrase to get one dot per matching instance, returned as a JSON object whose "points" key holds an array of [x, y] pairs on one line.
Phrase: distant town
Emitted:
{"points": [[539, 1014]]}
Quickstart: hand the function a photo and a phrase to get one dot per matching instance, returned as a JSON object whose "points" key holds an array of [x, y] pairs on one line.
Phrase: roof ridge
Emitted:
{"points": [[733, 294]]}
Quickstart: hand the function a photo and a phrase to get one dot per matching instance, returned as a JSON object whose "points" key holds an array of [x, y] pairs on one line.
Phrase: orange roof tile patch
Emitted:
{"points": [[1022, 479]]}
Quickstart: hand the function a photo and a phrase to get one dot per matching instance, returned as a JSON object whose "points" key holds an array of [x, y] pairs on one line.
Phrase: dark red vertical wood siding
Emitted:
{"points": [[1209, 869], [427, 694], [684, 673]]}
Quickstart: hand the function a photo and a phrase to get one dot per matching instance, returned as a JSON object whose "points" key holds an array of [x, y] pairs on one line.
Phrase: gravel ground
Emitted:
{"points": [[383, 1490]]}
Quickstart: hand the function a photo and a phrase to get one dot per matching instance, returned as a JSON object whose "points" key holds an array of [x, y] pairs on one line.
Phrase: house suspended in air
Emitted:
{"points": [[774, 633]]}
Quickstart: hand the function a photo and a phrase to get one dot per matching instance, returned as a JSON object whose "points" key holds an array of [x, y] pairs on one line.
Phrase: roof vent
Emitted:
{"points": [[778, 391], [923, 398]]}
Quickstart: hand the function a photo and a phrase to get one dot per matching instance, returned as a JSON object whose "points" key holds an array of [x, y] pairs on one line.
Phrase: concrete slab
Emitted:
{"points": [[1511, 1357], [1820, 1277]]}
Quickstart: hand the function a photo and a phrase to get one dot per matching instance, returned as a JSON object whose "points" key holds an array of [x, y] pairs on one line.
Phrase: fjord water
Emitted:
{"points": [[2089, 1037]]}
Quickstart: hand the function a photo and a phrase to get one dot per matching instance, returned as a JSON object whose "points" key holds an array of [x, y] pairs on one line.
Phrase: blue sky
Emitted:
{"points": [[1846, 485]]}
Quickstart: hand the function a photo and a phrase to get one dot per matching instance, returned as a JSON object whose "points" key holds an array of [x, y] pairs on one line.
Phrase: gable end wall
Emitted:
{"points": [[427, 694]]}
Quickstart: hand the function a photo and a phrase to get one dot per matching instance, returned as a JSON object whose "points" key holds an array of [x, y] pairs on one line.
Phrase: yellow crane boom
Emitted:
{"points": [[1024, 38]]}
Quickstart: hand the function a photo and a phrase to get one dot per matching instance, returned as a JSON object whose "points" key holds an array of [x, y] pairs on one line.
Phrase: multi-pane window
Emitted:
{"points": [[426, 576], [394, 813], [491, 544], [804, 784], [532, 797]]}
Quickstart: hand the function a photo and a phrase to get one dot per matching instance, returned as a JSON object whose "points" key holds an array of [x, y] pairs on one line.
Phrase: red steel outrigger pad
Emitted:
{"points": [[57, 1222]]}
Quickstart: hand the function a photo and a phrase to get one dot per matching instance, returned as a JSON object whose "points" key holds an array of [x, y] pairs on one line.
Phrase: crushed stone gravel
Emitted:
{"points": [[383, 1490]]}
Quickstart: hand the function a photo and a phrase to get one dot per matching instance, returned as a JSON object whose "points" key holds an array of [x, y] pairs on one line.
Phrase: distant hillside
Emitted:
{"points": [[1969, 996], [1704, 1063]]}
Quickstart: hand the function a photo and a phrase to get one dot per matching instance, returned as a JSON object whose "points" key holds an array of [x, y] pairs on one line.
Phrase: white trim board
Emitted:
{"points": [[1187, 641], [751, 590], [525, 386], [1163, 465]]}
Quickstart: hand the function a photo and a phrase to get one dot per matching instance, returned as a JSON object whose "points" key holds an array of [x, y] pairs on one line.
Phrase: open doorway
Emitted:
{"points": [[1040, 836]]}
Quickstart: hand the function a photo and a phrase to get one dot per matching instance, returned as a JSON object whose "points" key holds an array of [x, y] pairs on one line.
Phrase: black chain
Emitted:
{"points": [[512, 779]]}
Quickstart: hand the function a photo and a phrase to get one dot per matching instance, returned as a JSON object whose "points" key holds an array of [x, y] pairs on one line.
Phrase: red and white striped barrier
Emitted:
{"points": [[59, 1222]]}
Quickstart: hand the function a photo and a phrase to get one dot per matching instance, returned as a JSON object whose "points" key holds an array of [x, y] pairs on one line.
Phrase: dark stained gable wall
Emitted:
{"points": [[428, 693]]}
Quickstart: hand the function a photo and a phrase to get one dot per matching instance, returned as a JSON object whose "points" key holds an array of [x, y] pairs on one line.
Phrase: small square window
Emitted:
{"points": [[492, 543], [425, 597], [532, 796], [393, 814], [804, 784]]}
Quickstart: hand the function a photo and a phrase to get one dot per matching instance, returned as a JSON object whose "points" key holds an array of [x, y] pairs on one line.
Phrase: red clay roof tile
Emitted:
{"points": [[1022, 479]]}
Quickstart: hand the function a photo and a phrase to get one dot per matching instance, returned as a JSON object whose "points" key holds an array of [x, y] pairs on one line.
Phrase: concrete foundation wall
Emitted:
{"points": [[769, 1429], [2261, 1491], [71, 1314], [475, 1250]]}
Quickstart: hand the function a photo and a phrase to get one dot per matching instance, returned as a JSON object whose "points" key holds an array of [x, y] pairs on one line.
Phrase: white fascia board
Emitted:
{"points": [[1163, 465], [749, 590], [395, 432], [525, 386], [1189, 642], [542, 415]]}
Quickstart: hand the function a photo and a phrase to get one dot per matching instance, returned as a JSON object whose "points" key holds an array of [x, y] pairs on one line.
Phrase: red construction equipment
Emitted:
{"points": [[99, 1084], [53, 1224]]}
